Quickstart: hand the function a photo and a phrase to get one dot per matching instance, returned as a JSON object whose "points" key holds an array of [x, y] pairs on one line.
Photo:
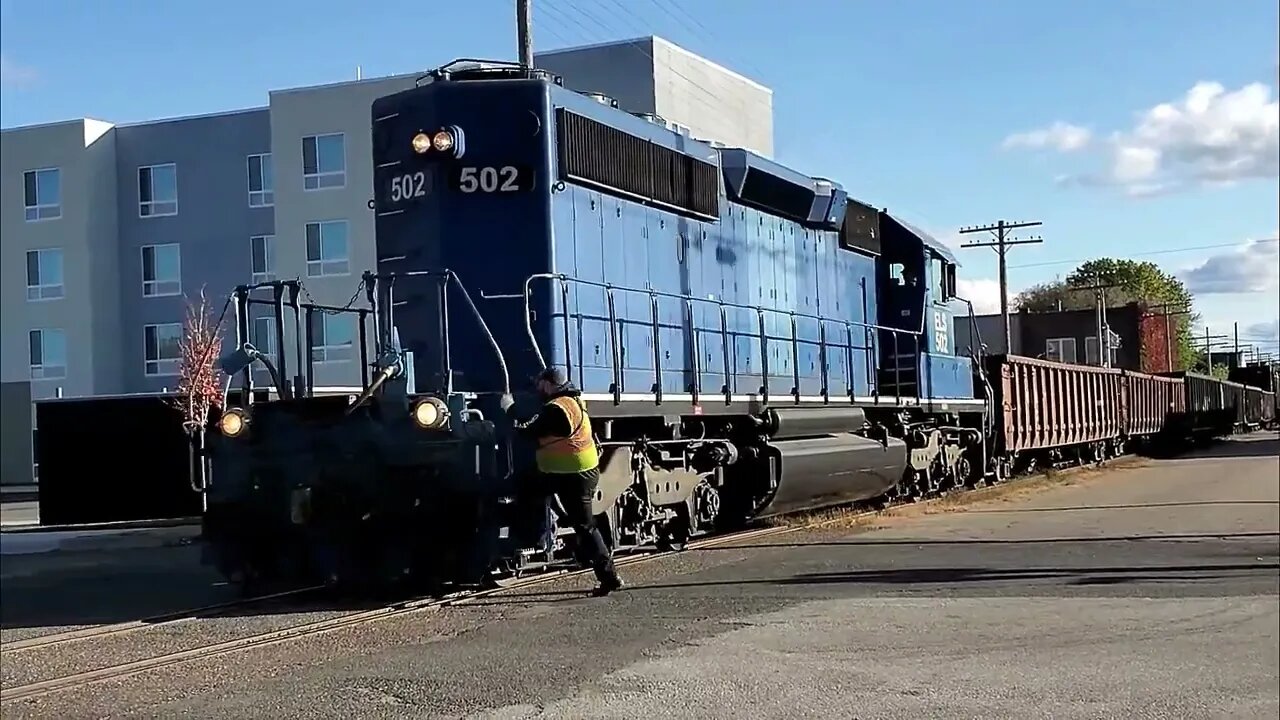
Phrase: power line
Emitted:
{"points": [[1144, 254], [1001, 244]]}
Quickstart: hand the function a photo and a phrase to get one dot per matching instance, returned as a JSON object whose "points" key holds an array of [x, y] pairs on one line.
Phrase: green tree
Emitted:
{"points": [[1134, 280]]}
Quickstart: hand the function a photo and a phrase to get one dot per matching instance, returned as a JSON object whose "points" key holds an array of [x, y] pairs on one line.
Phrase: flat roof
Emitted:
{"points": [[139, 123], [344, 83], [654, 40]]}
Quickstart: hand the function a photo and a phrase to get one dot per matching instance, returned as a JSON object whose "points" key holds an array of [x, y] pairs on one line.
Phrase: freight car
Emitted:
{"points": [[1050, 413], [1213, 407], [749, 340], [1263, 379]]}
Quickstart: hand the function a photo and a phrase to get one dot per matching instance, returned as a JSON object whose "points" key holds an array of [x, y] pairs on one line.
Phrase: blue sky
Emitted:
{"points": [[908, 104]]}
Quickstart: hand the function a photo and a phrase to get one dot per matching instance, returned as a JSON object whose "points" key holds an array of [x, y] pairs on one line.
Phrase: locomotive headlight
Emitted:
{"points": [[421, 143], [443, 141], [233, 422], [430, 413]]}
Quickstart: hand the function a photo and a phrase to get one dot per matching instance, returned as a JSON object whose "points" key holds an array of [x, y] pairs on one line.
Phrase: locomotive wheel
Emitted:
{"points": [[964, 473], [674, 536]]}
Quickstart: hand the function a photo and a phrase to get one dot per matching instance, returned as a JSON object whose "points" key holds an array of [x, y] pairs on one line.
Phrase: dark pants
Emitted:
{"points": [[575, 492]]}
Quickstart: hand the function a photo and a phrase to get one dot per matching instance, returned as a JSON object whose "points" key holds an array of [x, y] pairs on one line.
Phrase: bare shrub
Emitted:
{"points": [[199, 379]]}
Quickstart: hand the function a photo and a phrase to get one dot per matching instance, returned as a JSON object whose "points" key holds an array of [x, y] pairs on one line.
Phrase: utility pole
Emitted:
{"points": [[524, 31], [1099, 289], [1235, 355], [1002, 243]]}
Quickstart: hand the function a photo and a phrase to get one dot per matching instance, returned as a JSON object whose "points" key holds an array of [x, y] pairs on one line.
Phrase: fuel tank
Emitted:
{"points": [[787, 423], [817, 472]]}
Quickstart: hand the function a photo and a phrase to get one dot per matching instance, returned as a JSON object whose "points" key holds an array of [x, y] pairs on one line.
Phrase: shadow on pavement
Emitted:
{"points": [[994, 541], [1258, 444], [927, 576], [91, 588]]}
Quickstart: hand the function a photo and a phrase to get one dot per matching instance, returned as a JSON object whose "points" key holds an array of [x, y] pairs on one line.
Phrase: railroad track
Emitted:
{"points": [[115, 672], [207, 611]]}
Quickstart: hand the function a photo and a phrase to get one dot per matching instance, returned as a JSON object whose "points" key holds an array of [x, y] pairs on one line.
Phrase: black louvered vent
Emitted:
{"points": [[615, 160], [777, 195]]}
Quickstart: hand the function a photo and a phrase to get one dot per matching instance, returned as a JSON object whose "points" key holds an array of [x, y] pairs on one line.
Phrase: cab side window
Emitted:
{"points": [[937, 280]]}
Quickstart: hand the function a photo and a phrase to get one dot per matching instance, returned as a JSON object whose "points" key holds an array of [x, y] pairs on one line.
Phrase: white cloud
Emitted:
{"points": [[983, 293], [1210, 137], [1061, 136], [1251, 268], [15, 75]]}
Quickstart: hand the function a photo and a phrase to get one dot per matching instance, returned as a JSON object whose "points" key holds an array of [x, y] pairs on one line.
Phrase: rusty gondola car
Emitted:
{"points": [[1151, 402], [1049, 412], [1214, 407]]}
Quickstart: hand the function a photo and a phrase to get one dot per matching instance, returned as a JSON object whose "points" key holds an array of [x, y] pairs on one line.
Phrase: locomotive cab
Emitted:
{"points": [[916, 275]]}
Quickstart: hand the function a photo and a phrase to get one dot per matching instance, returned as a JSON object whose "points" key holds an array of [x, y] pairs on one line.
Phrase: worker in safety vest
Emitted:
{"points": [[568, 465]]}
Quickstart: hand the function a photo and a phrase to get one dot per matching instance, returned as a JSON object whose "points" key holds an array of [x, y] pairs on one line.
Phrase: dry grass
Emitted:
{"points": [[851, 518]]}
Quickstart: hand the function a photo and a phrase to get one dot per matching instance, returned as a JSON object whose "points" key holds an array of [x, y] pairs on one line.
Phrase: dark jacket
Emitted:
{"points": [[550, 420]]}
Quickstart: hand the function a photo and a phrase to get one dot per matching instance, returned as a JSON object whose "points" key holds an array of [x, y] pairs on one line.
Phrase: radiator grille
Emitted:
{"points": [[618, 161]]}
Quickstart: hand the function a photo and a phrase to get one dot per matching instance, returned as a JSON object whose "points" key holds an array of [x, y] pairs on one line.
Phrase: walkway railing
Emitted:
{"points": [[689, 304]]}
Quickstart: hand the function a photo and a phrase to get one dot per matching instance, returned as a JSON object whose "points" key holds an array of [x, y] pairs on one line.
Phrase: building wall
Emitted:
{"points": [[653, 75], [991, 332], [622, 70], [211, 228], [102, 282], [1039, 328], [15, 433], [84, 233], [1158, 341], [713, 102], [343, 108]]}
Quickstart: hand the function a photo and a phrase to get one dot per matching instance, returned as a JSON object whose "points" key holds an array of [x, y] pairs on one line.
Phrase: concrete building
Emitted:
{"points": [[108, 230], [653, 75]]}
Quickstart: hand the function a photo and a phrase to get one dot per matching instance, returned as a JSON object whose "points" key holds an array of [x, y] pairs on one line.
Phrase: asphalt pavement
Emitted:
{"points": [[1145, 591]]}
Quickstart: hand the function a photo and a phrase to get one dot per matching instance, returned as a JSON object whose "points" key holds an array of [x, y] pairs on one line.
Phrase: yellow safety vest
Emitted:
{"points": [[576, 453]]}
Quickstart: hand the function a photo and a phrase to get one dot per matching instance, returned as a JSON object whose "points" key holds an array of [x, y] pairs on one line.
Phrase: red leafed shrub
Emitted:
{"points": [[1154, 346], [199, 379]]}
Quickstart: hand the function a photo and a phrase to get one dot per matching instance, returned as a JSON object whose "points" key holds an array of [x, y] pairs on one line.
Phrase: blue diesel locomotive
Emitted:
{"points": [[749, 340]]}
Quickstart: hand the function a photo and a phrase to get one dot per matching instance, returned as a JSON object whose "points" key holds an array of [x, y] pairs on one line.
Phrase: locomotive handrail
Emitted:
{"points": [[723, 306], [242, 301], [979, 357], [446, 276]]}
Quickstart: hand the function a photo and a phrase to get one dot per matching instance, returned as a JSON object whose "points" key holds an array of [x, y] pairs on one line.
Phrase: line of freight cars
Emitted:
{"points": [[1049, 413]]}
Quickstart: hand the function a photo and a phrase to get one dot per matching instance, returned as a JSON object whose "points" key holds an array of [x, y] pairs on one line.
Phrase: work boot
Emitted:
{"points": [[608, 583]]}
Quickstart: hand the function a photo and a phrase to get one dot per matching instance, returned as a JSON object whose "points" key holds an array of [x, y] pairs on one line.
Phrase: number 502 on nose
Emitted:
{"points": [[486, 179]]}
